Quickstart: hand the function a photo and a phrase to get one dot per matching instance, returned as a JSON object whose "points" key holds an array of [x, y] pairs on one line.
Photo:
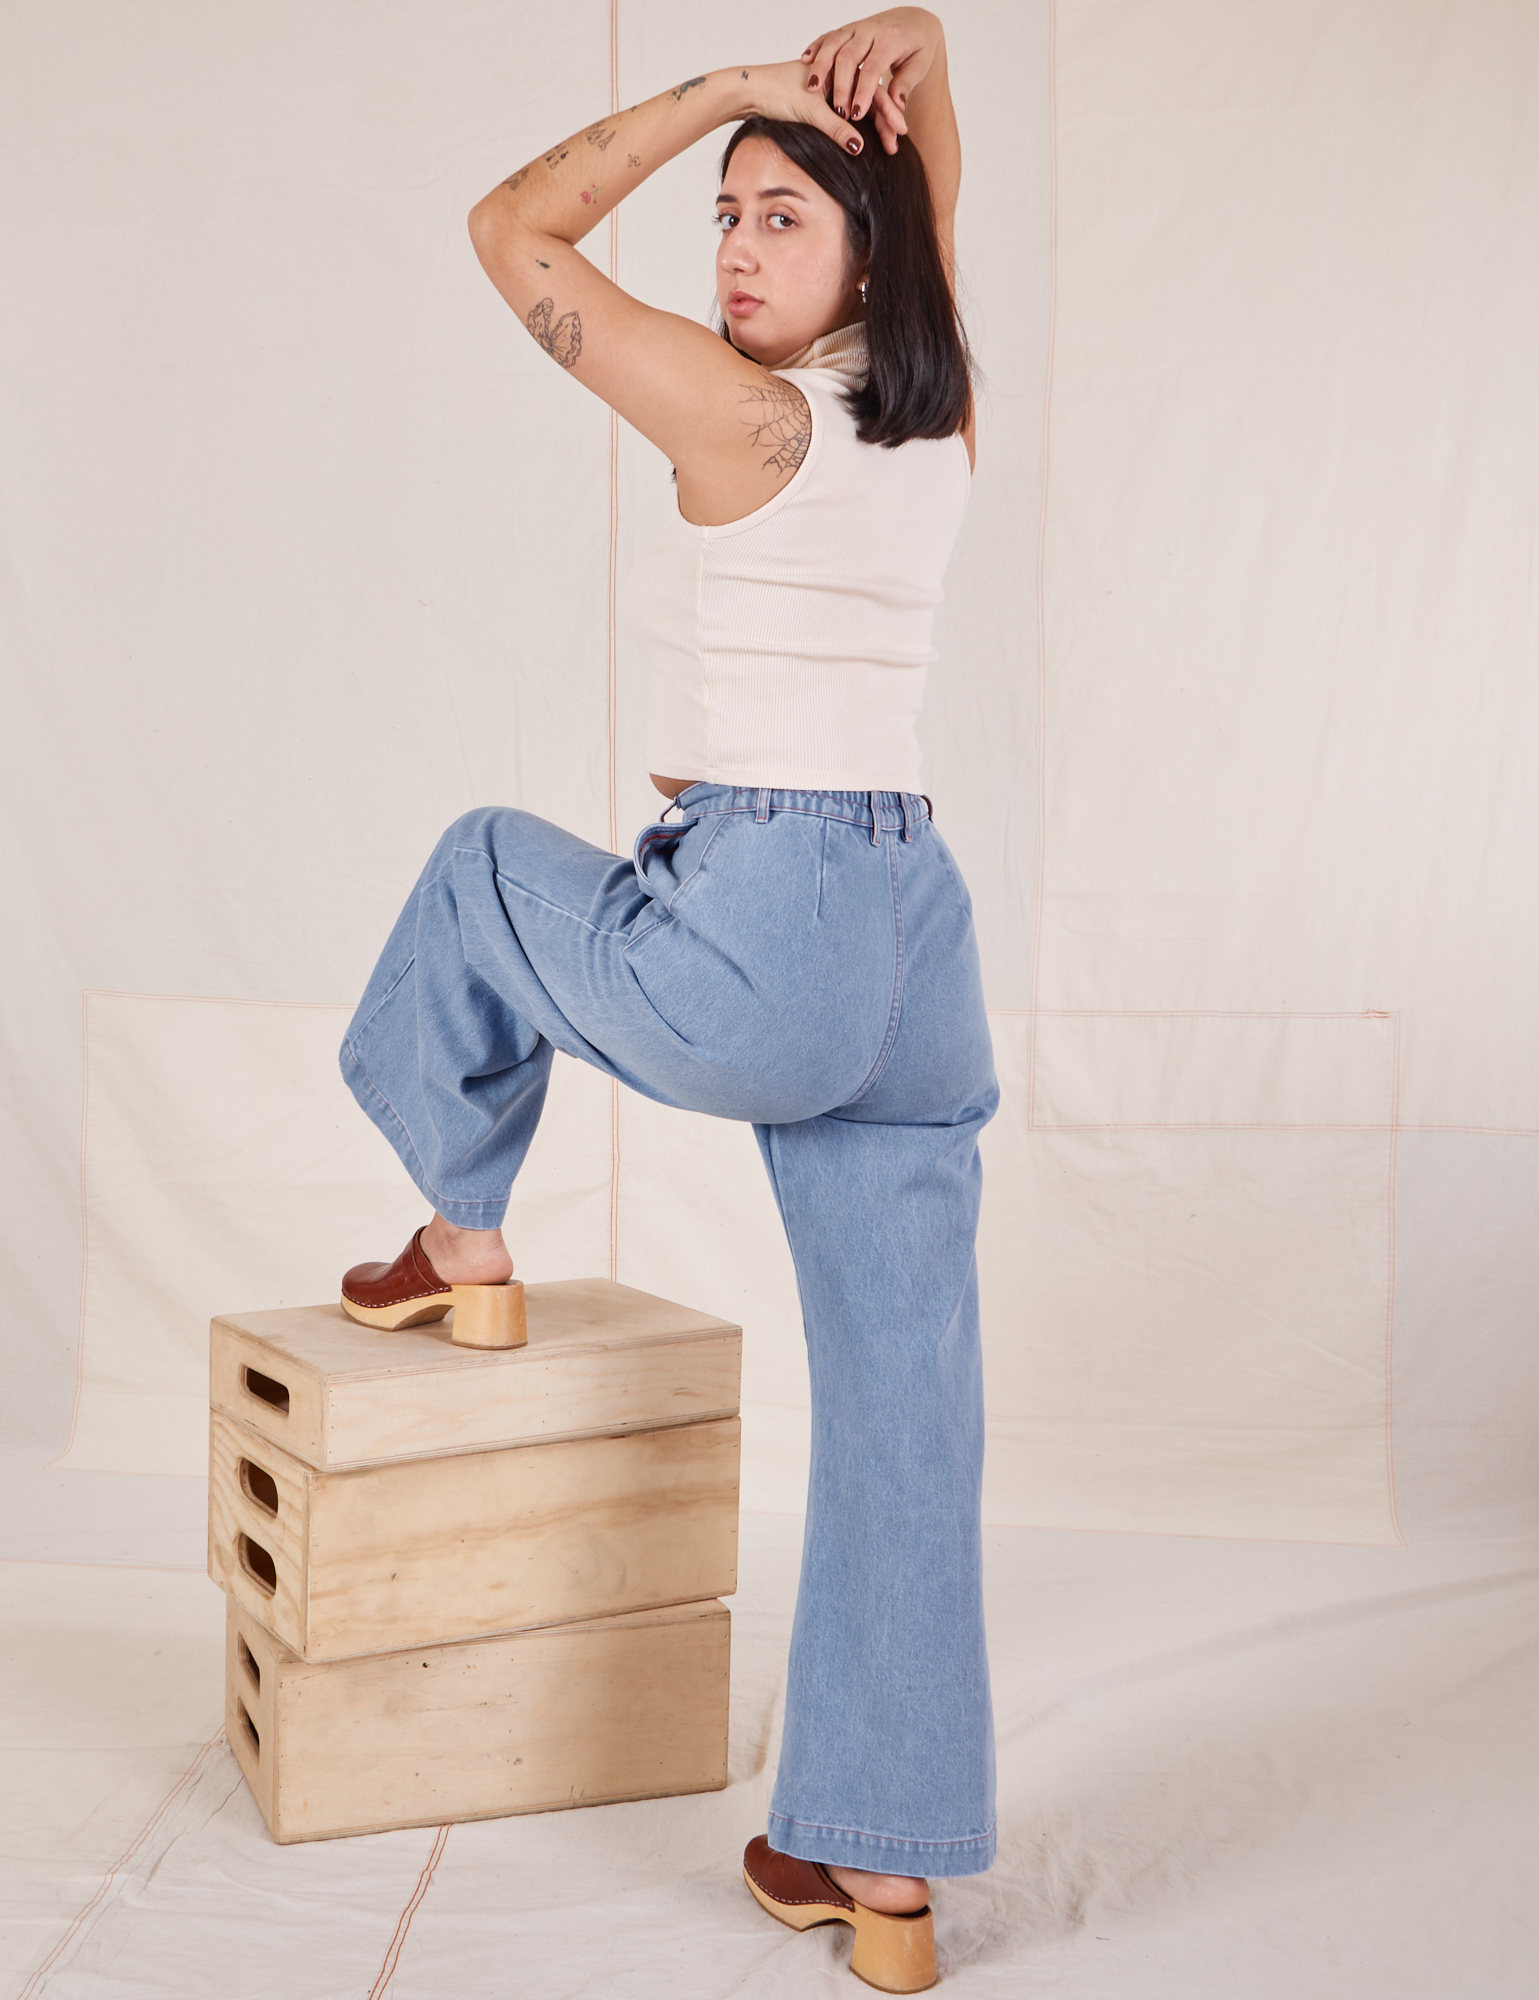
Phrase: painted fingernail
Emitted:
{"points": [[812, 81], [853, 144]]}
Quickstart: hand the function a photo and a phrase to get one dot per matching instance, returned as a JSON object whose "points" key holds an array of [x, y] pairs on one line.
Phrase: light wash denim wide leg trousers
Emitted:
{"points": [[804, 961]]}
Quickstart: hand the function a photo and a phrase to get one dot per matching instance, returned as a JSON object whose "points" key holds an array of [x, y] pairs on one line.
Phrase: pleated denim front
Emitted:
{"points": [[804, 961]]}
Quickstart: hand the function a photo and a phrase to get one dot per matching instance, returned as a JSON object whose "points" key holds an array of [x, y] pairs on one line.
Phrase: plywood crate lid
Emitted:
{"points": [[601, 1357]]}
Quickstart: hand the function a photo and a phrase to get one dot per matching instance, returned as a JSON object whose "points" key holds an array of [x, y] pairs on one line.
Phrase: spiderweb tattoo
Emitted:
{"points": [[778, 416]]}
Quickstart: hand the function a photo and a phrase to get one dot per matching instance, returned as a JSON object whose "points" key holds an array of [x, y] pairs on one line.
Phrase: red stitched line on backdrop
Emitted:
{"points": [[1389, 1308], [1047, 412], [221, 1000], [1477, 1131], [85, 1234], [183, 1784], [403, 1921], [1214, 1125], [614, 546], [1200, 1013]]}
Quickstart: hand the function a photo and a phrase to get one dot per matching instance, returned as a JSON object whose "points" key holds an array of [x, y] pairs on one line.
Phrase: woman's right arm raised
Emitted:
{"points": [[679, 384], [895, 65], [878, 64]]}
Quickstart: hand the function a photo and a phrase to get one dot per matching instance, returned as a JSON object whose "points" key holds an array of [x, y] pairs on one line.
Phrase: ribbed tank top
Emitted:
{"points": [[790, 648]]}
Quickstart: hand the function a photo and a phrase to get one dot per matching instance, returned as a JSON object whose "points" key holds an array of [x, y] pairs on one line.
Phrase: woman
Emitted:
{"points": [[797, 949]]}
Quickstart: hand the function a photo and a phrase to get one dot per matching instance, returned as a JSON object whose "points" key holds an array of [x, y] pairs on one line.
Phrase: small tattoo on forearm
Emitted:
{"points": [[633, 159], [679, 90], [562, 340], [554, 158], [542, 263], [780, 417], [745, 76], [517, 180], [599, 135]]}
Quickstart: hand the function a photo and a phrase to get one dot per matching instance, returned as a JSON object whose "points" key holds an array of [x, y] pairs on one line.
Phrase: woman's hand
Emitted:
{"points": [[781, 90], [873, 65]]}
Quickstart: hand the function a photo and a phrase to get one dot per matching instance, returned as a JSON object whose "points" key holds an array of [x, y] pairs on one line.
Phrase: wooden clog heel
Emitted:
{"points": [[410, 1292], [489, 1315], [893, 1954]]}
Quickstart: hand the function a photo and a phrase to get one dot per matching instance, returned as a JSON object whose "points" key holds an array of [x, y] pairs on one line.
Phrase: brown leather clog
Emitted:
{"points": [[410, 1292], [893, 1954]]}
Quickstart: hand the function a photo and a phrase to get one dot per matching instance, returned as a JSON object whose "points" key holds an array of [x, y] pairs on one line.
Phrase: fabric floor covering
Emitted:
{"points": [[1227, 1769]]}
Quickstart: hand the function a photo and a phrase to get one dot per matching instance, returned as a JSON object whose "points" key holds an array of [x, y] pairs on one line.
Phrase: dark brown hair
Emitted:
{"points": [[919, 382]]}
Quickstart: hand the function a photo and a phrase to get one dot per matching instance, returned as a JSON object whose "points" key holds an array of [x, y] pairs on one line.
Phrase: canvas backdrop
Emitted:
{"points": [[305, 549], [308, 549]]}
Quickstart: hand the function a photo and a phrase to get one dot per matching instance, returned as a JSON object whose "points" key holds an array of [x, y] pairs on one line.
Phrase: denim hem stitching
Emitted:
{"points": [[887, 1839]]}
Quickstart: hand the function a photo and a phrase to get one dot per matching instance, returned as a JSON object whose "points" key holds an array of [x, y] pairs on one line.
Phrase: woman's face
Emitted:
{"points": [[784, 273]]}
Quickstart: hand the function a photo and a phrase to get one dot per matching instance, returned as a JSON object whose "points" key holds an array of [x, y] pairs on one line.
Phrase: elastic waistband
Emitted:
{"points": [[896, 812]]}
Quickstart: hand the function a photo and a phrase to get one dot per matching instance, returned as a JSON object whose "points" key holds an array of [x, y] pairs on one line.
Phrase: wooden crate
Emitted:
{"points": [[631, 1707], [422, 1551], [600, 1357]]}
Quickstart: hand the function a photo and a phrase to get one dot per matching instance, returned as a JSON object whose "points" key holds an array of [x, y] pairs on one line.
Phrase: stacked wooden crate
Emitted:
{"points": [[464, 1582]]}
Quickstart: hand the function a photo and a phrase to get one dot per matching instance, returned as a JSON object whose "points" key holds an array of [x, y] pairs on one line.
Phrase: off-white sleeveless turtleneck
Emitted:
{"points": [[790, 648]]}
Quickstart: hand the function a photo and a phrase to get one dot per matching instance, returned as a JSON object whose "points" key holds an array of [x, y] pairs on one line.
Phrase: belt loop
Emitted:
{"points": [[929, 807], [876, 820], [909, 815], [763, 813]]}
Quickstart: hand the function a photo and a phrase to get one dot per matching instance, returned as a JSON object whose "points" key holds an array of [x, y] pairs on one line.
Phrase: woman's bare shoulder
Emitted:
{"points": [[733, 430]]}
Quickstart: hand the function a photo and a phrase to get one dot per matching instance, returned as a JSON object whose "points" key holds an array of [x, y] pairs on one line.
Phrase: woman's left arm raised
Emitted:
{"points": [[672, 378]]}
